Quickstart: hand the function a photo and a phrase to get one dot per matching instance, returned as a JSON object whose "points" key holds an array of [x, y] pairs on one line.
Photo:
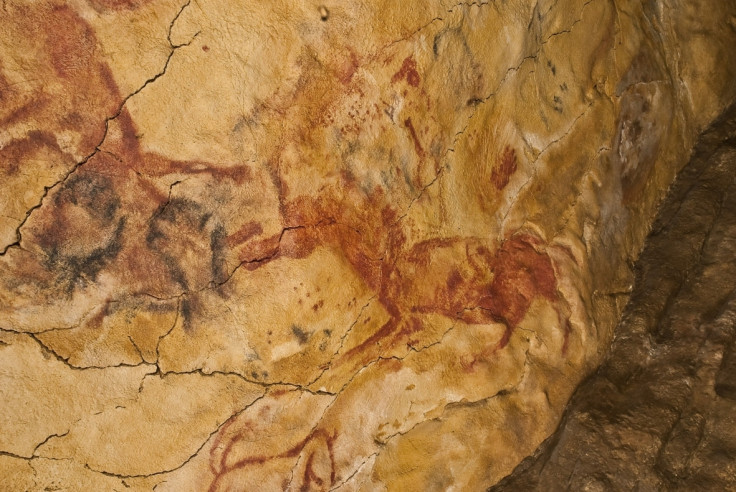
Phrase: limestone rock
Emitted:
{"points": [[659, 412], [355, 245]]}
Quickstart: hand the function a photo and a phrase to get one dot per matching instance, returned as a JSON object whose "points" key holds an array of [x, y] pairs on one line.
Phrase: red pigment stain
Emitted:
{"points": [[504, 169], [454, 280], [309, 475], [520, 274], [14, 152], [222, 468], [205, 48], [70, 42], [417, 146], [244, 233], [35, 105], [348, 68], [407, 71]]}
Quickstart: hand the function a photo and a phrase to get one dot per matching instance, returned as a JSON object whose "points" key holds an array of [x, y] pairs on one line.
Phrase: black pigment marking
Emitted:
{"points": [[179, 223], [79, 269], [179, 210], [455, 33], [154, 306], [92, 192], [175, 270], [552, 67], [300, 334], [96, 196], [203, 222], [435, 44], [217, 246], [154, 234], [186, 314], [557, 104]]}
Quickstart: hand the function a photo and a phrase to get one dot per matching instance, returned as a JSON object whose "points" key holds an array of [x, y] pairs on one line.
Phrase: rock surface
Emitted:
{"points": [[352, 245], [660, 412]]}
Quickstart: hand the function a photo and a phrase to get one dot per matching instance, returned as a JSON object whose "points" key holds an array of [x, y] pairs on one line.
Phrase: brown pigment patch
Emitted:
{"points": [[408, 71], [520, 275], [246, 232], [102, 5], [417, 146], [505, 167]]}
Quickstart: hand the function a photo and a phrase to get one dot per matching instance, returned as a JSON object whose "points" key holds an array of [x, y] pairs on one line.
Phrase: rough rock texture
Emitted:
{"points": [[660, 412], [293, 245]]}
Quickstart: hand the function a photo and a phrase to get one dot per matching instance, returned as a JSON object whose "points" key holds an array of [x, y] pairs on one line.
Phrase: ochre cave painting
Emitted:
{"points": [[501, 174], [115, 194], [117, 215], [227, 459], [185, 246], [518, 274], [84, 203]]}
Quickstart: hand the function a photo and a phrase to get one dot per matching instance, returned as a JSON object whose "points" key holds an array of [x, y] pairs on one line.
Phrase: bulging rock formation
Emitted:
{"points": [[659, 412], [304, 246]]}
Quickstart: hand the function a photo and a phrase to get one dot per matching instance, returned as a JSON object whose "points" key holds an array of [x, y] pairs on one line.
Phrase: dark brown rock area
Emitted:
{"points": [[660, 413]]}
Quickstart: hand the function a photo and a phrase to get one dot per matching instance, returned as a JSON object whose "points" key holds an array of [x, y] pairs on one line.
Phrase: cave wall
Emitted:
{"points": [[659, 412], [365, 245]]}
